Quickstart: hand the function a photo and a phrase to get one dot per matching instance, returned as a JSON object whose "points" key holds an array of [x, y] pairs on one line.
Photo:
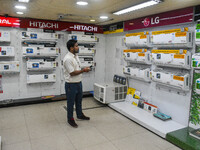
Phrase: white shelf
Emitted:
{"points": [[146, 119]]}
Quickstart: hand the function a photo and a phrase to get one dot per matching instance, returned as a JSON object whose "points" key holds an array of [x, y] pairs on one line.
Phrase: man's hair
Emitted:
{"points": [[71, 43]]}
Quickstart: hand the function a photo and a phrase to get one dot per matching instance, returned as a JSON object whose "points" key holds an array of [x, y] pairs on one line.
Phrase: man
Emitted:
{"points": [[73, 85]]}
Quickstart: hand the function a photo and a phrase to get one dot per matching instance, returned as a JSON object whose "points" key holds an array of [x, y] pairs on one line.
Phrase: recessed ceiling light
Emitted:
{"points": [[92, 20], [139, 6], [104, 17], [20, 13], [23, 1], [82, 3], [20, 7]]}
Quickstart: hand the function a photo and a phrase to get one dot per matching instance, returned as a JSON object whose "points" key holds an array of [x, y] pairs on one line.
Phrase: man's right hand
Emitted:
{"points": [[86, 69]]}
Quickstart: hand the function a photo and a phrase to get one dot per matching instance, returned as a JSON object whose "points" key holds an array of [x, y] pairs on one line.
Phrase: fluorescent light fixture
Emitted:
{"points": [[104, 17], [139, 6], [23, 1], [82, 3], [20, 13], [20, 7], [92, 20]]}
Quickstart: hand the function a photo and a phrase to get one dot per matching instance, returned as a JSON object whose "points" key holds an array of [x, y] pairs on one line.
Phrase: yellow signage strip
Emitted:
{"points": [[166, 51], [168, 31], [115, 31], [178, 78], [134, 50], [136, 34]]}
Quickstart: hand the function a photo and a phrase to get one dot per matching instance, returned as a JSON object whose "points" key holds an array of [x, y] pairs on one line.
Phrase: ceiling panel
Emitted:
{"points": [[51, 9]]}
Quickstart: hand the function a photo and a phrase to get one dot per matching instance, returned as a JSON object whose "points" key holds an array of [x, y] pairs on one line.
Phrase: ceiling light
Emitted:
{"points": [[20, 7], [92, 20], [20, 13], [23, 1], [104, 17], [82, 3], [136, 7]]}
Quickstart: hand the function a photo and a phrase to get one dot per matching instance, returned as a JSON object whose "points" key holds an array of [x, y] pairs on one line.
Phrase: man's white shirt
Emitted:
{"points": [[71, 63]]}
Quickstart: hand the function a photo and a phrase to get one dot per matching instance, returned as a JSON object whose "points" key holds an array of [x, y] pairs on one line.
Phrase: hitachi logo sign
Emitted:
{"points": [[43, 25], [84, 28], [4, 21]]}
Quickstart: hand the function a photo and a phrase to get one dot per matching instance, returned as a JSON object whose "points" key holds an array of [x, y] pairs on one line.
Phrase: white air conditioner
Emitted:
{"points": [[7, 51], [4, 36], [40, 51], [85, 50], [176, 80], [183, 39], [86, 61], [109, 92], [83, 38], [41, 78], [40, 64], [9, 66], [39, 36], [171, 59], [138, 73], [136, 40], [137, 57]]}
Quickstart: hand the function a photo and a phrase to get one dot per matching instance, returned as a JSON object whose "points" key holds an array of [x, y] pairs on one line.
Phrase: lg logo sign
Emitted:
{"points": [[148, 21]]}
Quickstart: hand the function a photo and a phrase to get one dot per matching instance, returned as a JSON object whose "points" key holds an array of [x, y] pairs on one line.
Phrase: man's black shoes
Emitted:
{"points": [[73, 123], [83, 117]]}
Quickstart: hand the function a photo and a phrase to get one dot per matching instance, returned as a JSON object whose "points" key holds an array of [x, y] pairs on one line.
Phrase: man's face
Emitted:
{"points": [[76, 48]]}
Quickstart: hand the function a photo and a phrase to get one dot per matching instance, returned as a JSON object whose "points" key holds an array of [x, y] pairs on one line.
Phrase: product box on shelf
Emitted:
{"points": [[39, 36], [173, 58], [137, 39], [150, 108], [40, 64], [9, 66], [4, 36], [7, 51], [137, 55], [41, 78]]}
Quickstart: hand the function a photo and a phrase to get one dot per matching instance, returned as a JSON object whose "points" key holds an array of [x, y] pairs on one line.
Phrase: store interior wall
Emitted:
{"points": [[172, 103], [15, 87]]}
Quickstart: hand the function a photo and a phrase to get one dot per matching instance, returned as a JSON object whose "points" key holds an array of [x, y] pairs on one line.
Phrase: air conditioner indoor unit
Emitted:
{"points": [[109, 92], [136, 40], [39, 36], [4, 36], [7, 51], [40, 64], [83, 38], [40, 51]]}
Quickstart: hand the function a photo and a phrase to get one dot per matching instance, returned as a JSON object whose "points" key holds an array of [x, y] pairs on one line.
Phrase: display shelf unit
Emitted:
{"points": [[146, 119]]}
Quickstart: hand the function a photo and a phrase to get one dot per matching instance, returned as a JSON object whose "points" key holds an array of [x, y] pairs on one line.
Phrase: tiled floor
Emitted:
{"points": [[44, 127]]}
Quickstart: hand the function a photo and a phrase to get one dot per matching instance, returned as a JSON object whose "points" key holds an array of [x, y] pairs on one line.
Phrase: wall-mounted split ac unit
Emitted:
{"points": [[138, 73], [109, 92], [40, 51], [9, 66], [86, 61], [7, 51], [173, 58], [4, 36], [83, 38], [136, 40], [196, 60], [39, 36], [174, 79], [40, 64], [183, 39], [41, 78], [137, 55], [85, 50]]}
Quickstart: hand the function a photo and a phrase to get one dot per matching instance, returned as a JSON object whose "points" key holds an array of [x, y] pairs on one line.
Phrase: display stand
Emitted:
{"points": [[146, 119]]}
